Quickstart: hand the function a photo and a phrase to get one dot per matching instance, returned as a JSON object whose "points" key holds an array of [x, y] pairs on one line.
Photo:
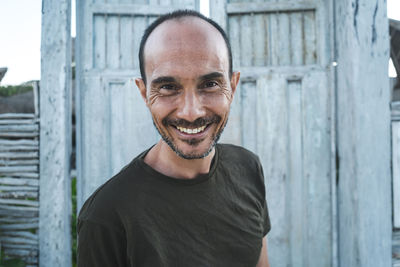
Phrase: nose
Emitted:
{"points": [[191, 106]]}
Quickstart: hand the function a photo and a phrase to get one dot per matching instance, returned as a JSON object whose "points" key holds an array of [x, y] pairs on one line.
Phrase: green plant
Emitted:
{"points": [[10, 90], [10, 262]]}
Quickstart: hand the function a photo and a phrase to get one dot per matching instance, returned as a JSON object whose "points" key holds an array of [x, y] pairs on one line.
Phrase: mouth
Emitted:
{"points": [[191, 130]]}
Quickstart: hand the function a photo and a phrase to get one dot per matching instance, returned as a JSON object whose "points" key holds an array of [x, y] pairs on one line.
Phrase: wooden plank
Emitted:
{"points": [[364, 143], [55, 135], [218, 13], [19, 162], [20, 142], [20, 148], [24, 174], [396, 172], [19, 246], [30, 203], [246, 47], [19, 213], [21, 253], [36, 97], [273, 37], [19, 155], [19, 226], [283, 41], [19, 134], [18, 208], [20, 195], [112, 42], [297, 186], [165, 2], [98, 151], [259, 40], [18, 181], [309, 38], [9, 169], [134, 9], [296, 39], [277, 7], [234, 34], [99, 42], [19, 121], [17, 116], [18, 188], [316, 170], [126, 53], [19, 128], [18, 240], [23, 234], [139, 25], [248, 95], [232, 134], [12, 220], [273, 151]]}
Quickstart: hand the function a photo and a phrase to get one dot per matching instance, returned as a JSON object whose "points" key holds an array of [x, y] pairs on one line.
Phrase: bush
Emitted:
{"points": [[10, 90]]}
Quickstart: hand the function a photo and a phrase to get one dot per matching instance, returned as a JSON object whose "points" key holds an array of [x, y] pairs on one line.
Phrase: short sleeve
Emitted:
{"points": [[100, 245], [266, 223], [264, 211]]}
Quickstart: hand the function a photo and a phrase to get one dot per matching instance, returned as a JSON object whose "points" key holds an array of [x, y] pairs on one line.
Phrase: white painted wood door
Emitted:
{"points": [[113, 124], [282, 111]]}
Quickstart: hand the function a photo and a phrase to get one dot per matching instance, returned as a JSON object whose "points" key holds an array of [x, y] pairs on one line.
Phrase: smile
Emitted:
{"points": [[191, 131]]}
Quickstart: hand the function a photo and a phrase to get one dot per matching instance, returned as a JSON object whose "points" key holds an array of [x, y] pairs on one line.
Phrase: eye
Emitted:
{"points": [[210, 84], [168, 87]]}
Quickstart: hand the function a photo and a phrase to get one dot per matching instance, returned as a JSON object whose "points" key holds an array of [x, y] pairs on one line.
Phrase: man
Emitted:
{"points": [[186, 201]]}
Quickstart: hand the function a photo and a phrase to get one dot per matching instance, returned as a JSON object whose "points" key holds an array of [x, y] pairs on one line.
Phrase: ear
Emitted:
{"points": [[235, 81], [142, 88]]}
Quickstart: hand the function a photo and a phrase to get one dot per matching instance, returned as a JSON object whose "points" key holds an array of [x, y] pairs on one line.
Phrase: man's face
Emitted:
{"points": [[188, 88]]}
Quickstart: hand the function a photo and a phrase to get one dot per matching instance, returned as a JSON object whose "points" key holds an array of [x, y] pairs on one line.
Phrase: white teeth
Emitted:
{"points": [[191, 131]]}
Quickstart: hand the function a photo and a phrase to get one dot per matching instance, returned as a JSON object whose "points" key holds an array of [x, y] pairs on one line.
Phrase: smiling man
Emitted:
{"points": [[186, 201]]}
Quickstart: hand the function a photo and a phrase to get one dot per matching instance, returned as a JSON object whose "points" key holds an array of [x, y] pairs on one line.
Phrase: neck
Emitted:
{"points": [[163, 159]]}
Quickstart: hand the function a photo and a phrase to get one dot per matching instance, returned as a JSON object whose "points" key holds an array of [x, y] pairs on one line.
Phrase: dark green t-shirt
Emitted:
{"points": [[141, 217]]}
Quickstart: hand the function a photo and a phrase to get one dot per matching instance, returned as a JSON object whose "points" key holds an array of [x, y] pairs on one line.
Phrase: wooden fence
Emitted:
{"points": [[19, 185], [396, 181]]}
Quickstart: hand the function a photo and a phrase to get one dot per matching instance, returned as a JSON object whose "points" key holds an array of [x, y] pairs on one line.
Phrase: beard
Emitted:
{"points": [[167, 122]]}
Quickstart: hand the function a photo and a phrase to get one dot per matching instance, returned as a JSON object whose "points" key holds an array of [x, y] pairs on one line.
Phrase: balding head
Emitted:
{"points": [[167, 26]]}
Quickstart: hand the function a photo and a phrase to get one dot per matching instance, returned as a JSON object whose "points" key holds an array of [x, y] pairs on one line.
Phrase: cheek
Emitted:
{"points": [[219, 103]]}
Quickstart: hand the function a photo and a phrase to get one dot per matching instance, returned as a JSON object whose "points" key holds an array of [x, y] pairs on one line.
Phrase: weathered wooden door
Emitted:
{"points": [[282, 112], [113, 124]]}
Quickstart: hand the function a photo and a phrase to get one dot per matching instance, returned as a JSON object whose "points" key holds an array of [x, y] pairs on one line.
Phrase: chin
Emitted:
{"points": [[193, 151]]}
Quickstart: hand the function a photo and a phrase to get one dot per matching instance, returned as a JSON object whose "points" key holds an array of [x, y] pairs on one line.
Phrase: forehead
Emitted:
{"points": [[185, 42]]}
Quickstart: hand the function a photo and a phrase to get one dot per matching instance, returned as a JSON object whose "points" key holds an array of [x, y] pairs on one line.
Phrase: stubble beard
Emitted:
{"points": [[192, 142]]}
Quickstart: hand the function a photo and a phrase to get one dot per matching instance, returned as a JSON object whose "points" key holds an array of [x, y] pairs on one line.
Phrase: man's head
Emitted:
{"points": [[176, 15], [187, 82]]}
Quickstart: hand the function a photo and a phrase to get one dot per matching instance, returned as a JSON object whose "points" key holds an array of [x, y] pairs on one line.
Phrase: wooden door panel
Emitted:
{"points": [[285, 119], [114, 124]]}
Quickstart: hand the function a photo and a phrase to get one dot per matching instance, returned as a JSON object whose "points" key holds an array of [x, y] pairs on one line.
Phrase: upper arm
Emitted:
{"points": [[263, 260]]}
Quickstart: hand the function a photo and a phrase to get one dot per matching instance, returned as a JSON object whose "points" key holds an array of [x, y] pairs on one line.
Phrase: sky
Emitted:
{"points": [[20, 40]]}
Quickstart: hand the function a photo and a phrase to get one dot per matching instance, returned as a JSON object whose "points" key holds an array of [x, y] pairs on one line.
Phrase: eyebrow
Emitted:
{"points": [[164, 79], [212, 75]]}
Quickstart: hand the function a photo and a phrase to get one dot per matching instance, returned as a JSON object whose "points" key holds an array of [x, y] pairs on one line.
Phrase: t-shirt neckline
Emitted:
{"points": [[197, 180]]}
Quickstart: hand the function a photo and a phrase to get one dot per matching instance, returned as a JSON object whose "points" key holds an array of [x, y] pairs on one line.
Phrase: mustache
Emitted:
{"points": [[195, 124]]}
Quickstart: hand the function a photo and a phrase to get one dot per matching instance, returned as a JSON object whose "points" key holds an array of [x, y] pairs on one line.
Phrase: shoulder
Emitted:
{"points": [[238, 154], [241, 164], [105, 206]]}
